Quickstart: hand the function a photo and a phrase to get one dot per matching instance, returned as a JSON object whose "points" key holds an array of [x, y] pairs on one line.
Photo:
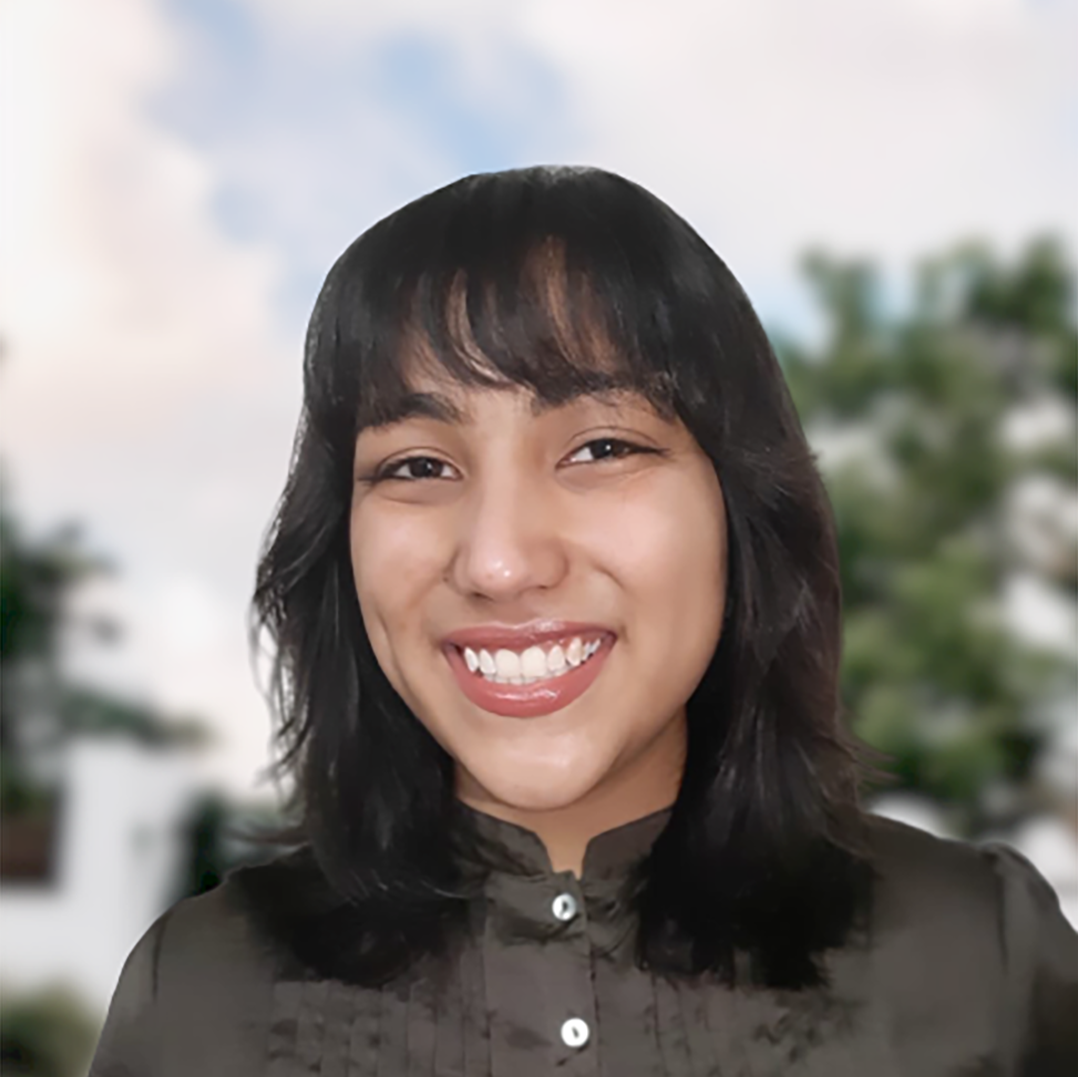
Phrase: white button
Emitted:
{"points": [[564, 906], [575, 1033]]}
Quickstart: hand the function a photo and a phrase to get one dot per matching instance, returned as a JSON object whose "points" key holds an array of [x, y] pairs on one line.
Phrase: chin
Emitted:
{"points": [[532, 794]]}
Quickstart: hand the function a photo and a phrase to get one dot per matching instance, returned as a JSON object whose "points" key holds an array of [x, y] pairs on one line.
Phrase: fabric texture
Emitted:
{"points": [[972, 971]]}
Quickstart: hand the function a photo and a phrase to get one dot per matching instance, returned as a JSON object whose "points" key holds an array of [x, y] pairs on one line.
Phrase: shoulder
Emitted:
{"points": [[963, 928], [283, 913], [224, 929], [937, 905], [991, 881], [202, 974], [200, 939], [917, 868]]}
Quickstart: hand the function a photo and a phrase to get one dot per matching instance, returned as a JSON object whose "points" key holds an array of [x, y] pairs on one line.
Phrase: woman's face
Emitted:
{"points": [[511, 518]]}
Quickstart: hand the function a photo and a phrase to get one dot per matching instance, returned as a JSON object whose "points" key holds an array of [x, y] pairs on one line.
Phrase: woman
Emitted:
{"points": [[554, 593]]}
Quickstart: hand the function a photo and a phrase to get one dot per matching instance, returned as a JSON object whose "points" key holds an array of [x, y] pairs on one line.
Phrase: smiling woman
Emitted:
{"points": [[553, 587]]}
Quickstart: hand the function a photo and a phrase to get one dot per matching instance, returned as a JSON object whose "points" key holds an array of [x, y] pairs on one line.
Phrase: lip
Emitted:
{"points": [[520, 637], [528, 701]]}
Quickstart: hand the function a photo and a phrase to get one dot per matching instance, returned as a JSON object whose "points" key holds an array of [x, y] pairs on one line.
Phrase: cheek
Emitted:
{"points": [[384, 588], [678, 539], [392, 567], [670, 559], [392, 558]]}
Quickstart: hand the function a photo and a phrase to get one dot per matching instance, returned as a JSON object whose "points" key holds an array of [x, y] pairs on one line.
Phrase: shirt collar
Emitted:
{"points": [[608, 856]]}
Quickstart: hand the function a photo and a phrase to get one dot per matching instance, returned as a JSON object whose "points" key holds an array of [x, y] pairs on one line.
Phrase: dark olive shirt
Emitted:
{"points": [[972, 972]]}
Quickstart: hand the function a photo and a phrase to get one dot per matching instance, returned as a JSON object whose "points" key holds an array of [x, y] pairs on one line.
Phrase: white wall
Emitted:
{"points": [[117, 858]]}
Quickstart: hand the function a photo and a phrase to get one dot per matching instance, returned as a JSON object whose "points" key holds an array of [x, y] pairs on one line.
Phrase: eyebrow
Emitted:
{"points": [[440, 408]]}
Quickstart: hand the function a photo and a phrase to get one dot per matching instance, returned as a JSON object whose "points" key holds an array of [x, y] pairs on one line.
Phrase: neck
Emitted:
{"points": [[645, 785]]}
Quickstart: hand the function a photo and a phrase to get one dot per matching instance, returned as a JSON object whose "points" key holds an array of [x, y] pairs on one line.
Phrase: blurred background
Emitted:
{"points": [[895, 185]]}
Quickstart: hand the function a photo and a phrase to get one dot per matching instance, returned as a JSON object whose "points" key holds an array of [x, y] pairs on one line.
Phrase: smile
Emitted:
{"points": [[505, 666], [535, 682]]}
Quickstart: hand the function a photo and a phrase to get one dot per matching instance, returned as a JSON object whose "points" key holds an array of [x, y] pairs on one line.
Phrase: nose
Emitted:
{"points": [[509, 542]]}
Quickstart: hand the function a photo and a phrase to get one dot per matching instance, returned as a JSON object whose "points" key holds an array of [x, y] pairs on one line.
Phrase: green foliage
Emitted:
{"points": [[907, 415], [47, 1034], [36, 578], [37, 704], [89, 711]]}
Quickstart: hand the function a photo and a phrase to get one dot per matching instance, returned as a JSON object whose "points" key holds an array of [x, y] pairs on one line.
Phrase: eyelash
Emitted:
{"points": [[386, 473]]}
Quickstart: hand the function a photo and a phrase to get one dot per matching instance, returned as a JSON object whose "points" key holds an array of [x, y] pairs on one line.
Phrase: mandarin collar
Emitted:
{"points": [[609, 856]]}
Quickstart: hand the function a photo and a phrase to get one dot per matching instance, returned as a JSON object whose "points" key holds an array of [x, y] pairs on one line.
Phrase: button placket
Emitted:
{"points": [[578, 1023], [554, 996]]}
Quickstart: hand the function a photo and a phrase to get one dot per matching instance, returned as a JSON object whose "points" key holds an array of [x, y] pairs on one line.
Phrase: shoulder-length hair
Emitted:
{"points": [[562, 281]]}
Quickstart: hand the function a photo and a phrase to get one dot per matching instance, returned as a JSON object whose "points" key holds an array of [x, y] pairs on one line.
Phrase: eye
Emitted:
{"points": [[610, 449], [416, 468]]}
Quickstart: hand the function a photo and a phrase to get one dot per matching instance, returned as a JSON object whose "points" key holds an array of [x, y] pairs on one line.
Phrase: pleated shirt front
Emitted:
{"points": [[971, 970]]}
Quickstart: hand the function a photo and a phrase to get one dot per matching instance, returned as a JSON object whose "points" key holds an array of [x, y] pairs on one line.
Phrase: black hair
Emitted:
{"points": [[561, 281]]}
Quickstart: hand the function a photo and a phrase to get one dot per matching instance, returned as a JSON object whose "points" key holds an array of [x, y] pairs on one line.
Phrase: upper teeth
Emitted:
{"points": [[534, 662]]}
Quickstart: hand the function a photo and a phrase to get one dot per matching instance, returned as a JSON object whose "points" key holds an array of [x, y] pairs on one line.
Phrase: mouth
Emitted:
{"points": [[536, 682]]}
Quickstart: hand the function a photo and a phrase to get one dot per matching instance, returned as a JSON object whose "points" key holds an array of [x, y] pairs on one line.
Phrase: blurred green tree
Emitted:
{"points": [[36, 579], [922, 427], [48, 1034], [39, 706]]}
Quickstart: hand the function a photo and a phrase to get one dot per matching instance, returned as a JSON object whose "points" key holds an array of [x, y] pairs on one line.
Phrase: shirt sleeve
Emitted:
{"points": [[126, 1047], [1040, 950]]}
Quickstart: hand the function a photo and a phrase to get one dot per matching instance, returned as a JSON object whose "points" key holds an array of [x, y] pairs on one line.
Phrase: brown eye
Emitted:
{"points": [[610, 449], [416, 468]]}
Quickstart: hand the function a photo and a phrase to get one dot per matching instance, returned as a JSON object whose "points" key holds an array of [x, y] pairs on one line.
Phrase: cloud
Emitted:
{"points": [[147, 390], [117, 283], [883, 128]]}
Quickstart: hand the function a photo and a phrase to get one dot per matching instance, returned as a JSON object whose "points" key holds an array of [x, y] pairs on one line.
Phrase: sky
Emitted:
{"points": [[177, 176]]}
